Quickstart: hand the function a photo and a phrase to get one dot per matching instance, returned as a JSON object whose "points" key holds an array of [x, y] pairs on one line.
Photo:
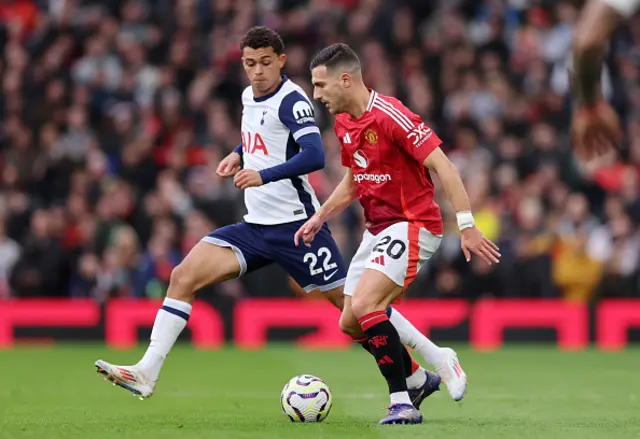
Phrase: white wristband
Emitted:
{"points": [[465, 220]]}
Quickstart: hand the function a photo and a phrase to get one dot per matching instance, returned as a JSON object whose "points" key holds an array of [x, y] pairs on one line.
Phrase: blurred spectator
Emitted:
{"points": [[42, 268], [9, 255], [532, 250], [115, 114], [574, 271]]}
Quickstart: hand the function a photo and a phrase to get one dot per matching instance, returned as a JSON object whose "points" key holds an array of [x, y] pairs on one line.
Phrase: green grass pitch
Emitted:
{"points": [[516, 393]]}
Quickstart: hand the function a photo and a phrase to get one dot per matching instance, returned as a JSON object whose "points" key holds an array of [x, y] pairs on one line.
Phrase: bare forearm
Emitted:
{"points": [[595, 26], [454, 189], [586, 76], [452, 184], [342, 196]]}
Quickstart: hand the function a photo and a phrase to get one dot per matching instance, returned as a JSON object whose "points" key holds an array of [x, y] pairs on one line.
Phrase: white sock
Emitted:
{"points": [[417, 379], [400, 398], [170, 321], [415, 339]]}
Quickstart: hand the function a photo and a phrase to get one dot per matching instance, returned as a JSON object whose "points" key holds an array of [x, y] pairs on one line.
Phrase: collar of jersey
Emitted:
{"points": [[273, 93], [372, 97]]}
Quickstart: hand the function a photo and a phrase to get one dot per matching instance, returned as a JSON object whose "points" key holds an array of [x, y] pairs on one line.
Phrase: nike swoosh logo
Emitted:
{"points": [[327, 277]]}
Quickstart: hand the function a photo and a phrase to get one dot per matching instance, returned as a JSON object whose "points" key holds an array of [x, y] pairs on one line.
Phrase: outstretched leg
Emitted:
{"points": [[205, 264]]}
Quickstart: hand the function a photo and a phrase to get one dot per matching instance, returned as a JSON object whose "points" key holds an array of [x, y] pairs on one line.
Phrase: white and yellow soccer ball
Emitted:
{"points": [[306, 398]]}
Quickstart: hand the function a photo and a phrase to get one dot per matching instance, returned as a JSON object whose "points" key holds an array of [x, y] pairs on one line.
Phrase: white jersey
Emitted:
{"points": [[626, 8], [271, 126]]}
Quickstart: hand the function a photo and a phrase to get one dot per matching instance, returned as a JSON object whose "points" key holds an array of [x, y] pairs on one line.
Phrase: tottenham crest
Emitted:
{"points": [[371, 136]]}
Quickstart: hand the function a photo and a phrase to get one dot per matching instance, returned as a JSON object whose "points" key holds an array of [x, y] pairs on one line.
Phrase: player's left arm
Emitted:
{"points": [[231, 164], [421, 142], [473, 241], [296, 113]]}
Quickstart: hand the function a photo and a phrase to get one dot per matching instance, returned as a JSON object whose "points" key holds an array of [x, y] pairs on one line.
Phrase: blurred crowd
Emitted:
{"points": [[115, 113]]}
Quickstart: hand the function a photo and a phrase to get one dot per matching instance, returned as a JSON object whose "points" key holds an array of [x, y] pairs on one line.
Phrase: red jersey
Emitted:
{"points": [[385, 149]]}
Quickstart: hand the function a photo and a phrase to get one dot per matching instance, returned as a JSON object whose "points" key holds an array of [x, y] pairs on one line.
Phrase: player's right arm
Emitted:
{"points": [[342, 196], [231, 164]]}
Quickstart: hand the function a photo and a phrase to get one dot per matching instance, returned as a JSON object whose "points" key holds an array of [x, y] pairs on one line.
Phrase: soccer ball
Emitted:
{"points": [[306, 398]]}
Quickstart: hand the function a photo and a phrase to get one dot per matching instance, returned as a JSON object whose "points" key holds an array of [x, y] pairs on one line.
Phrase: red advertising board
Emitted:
{"points": [[483, 323]]}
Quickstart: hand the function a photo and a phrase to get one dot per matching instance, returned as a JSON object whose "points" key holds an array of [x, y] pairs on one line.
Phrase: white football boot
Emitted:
{"points": [[127, 377], [452, 374]]}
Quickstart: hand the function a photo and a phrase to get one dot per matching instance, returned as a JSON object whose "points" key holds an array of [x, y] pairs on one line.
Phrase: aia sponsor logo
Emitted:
{"points": [[252, 143]]}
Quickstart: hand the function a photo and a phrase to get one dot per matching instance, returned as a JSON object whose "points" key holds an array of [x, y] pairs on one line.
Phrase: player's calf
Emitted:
{"points": [[374, 293], [205, 264], [416, 376], [385, 346], [350, 326]]}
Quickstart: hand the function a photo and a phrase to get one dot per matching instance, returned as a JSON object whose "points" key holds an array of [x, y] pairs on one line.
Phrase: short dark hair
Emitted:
{"points": [[259, 37], [338, 54]]}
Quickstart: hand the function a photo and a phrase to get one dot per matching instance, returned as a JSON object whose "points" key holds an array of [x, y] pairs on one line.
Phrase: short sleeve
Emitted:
{"points": [[408, 131], [343, 152], [345, 157], [297, 114]]}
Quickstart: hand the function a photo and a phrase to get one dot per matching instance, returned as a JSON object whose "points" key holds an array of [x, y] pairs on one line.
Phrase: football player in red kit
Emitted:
{"points": [[388, 152]]}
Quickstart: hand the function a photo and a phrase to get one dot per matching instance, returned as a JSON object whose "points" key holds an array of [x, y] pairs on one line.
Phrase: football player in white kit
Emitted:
{"points": [[281, 144]]}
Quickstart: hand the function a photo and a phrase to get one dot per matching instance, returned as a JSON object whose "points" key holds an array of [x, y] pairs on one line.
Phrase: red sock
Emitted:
{"points": [[362, 340], [386, 348], [414, 365]]}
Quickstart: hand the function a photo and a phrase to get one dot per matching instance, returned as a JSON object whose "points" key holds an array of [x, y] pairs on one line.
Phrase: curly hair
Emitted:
{"points": [[261, 36]]}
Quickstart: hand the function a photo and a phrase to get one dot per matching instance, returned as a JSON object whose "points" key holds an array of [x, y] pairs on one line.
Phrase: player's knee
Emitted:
{"points": [[350, 326], [361, 306], [181, 283]]}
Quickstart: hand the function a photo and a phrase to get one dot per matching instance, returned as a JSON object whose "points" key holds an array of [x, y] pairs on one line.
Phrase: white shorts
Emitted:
{"points": [[399, 251]]}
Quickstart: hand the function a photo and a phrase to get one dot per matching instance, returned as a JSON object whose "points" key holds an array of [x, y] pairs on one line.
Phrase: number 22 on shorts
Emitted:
{"points": [[312, 260]]}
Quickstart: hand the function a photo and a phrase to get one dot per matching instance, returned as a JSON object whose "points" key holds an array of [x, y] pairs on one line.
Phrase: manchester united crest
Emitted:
{"points": [[371, 136]]}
